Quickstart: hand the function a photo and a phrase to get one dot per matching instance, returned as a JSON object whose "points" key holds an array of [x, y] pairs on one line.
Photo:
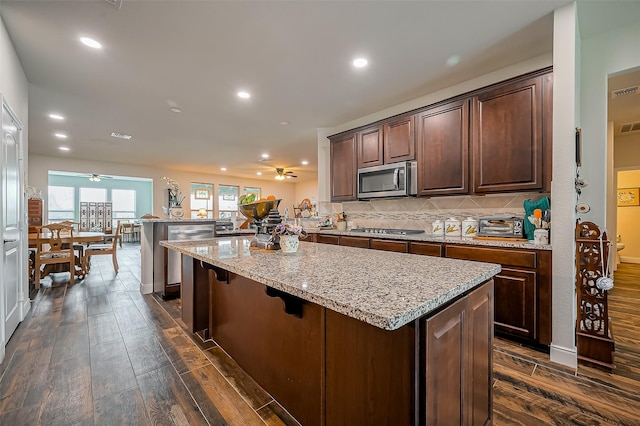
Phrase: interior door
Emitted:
{"points": [[12, 273]]}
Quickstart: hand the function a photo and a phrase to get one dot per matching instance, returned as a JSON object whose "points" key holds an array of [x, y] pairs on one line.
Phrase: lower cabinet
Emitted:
{"points": [[522, 288]]}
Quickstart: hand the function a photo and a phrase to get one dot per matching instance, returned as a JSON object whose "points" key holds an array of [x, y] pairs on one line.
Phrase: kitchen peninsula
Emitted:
{"points": [[343, 335]]}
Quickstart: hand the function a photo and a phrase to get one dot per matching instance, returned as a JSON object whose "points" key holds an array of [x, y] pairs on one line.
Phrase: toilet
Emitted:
{"points": [[619, 247]]}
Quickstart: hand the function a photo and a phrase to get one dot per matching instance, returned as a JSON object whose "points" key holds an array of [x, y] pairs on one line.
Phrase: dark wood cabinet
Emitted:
{"points": [[458, 360], [328, 239], [508, 138], [34, 214], [399, 140], [360, 242], [388, 245], [344, 168], [426, 249], [370, 147], [522, 290], [443, 149]]}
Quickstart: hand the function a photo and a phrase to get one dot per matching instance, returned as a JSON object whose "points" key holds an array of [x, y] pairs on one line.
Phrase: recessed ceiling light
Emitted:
{"points": [[265, 155], [121, 135], [175, 109], [453, 60], [284, 123], [259, 173], [63, 148], [60, 135], [360, 62], [304, 162], [56, 117], [90, 42], [224, 169], [244, 95]]}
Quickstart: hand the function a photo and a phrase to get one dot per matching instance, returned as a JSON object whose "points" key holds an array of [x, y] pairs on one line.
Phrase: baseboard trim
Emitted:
{"points": [[629, 259], [564, 356], [26, 307], [146, 288]]}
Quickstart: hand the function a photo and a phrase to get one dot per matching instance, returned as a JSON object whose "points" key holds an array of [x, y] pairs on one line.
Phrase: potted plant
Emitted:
{"points": [[175, 198], [289, 236]]}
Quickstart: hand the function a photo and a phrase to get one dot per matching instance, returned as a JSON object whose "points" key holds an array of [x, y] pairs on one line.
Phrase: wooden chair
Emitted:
{"points": [[127, 232], [99, 249], [51, 250]]}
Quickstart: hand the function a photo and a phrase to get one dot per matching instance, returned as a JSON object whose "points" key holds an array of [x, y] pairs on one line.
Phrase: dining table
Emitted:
{"points": [[83, 237]]}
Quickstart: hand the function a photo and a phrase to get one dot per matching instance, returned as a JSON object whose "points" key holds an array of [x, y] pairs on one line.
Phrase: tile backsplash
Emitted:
{"points": [[419, 213]]}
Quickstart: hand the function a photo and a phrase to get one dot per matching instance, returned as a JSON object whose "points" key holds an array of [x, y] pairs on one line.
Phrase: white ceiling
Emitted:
{"points": [[294, 57]]}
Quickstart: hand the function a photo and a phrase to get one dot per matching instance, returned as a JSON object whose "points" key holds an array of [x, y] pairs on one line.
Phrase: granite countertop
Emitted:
{"points": [[384, 289], [437, 239]]}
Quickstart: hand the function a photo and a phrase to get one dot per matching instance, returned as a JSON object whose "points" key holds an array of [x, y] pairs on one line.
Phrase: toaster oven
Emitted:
{"points": [[510, 227]]}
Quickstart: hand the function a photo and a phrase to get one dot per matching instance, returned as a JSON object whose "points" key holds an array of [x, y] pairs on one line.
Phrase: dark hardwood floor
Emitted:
{"points": [[100, 352]]}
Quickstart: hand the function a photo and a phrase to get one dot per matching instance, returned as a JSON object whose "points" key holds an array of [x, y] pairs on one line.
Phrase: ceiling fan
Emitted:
{"points": [[94, 177], [282, 175]]}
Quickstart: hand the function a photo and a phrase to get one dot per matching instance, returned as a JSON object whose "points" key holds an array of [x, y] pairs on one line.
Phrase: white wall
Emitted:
{"points": [[14, 88], [40, 165]]}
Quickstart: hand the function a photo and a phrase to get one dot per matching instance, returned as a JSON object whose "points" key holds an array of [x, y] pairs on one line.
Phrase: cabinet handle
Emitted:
{"points": [[395, 178]]}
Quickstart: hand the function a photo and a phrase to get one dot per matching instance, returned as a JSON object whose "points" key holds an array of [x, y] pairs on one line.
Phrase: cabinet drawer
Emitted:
{"points": [[397, 246], [354, 242], [426, 249], [328, 239], [510, 257]]}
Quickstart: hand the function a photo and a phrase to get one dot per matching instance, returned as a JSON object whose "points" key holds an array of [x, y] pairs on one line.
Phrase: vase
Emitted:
{"points": [[289, 243], [176, 212]]}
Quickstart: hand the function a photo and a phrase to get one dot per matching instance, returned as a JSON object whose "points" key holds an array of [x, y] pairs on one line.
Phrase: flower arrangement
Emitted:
{"points": [[175, 196], [288, 229]]}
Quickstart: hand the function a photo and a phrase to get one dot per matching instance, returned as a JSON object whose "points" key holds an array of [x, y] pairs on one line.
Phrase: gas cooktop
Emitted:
{"points": [[389, 231]]}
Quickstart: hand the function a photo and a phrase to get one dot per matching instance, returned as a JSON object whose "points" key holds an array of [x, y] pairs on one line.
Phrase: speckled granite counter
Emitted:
{"points": [[383, 289], [438, 239]]}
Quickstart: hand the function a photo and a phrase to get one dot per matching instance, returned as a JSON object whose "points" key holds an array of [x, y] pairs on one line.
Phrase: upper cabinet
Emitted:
{"points": [[399, 140], [370, 147], [508, 138], [443, 149], [344, 167]]}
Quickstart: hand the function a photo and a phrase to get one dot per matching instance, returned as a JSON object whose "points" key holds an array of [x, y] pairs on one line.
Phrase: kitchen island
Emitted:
{"points": [[341, 335]]}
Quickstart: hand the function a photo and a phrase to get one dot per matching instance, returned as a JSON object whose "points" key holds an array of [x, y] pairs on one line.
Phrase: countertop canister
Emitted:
{"points": [[452, 227], [437, 227], [469, 227]]}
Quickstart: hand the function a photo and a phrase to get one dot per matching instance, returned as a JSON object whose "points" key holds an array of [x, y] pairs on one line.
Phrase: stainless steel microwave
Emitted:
{"points": [[389, 180]]}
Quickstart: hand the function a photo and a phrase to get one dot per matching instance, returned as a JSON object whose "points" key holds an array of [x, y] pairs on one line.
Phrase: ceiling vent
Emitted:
{"points": [[630, 127], [633, 90]]}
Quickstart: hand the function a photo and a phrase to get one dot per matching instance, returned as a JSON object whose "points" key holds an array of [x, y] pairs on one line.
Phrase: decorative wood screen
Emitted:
{"points": [[96, 216], [594, 339]]}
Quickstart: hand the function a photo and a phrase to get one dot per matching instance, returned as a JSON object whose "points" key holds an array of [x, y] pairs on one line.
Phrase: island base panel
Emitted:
{"points": [[282, 352]]}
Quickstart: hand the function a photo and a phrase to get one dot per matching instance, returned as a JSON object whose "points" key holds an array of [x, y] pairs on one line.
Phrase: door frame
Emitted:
{"points": [[23, 298]]}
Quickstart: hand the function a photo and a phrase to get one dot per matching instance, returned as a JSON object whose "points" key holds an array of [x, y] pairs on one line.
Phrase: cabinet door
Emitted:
{"points": [[386, 245], [515, 307], [370, 147], [507, 138], [443, 149], [343, 168], [399, 140], [328, 239], [354, 241]]}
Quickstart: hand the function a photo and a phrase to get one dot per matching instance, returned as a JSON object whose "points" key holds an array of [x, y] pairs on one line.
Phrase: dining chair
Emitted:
{"points": [[127, 232], [50, 249], [100, 249]]}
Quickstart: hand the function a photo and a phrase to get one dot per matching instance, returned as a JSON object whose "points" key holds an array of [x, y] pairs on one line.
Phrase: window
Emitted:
{"points": [[228, 201], [62, 203], [93, 195], [124, 204], [201, 200]]}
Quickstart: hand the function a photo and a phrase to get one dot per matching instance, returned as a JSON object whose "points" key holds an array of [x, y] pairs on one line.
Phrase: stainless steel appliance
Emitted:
{"points": [[510, 227], [389, 180], [389, 231]]}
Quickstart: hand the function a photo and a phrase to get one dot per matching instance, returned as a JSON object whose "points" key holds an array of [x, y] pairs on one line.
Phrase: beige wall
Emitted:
{"points": [[628, 219], [40, 165], [627, 151]]}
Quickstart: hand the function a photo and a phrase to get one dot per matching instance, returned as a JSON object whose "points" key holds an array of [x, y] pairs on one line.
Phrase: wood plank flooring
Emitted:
{"points": [[101, 353]]}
